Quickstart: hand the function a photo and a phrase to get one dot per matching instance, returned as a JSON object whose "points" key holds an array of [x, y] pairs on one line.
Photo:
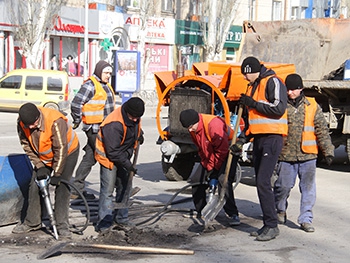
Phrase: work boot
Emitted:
{"points": [[234, 220], [258, 232], [282, 217], [307, 227], [24, 228], [268, 234]]}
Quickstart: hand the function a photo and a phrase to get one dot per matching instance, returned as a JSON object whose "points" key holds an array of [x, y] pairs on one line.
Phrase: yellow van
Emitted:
{"points": [[47, 88]]}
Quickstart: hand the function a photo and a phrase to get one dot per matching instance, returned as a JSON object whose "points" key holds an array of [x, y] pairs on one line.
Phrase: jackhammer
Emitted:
{"points": [[43, 187]]}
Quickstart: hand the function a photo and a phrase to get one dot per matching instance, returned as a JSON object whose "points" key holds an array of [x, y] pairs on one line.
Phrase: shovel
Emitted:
{"points": [[125, 202], [214, 206], [56, 249]]}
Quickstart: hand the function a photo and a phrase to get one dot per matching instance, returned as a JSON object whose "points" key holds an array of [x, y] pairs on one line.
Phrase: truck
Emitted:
{"points": [[320, 51]]}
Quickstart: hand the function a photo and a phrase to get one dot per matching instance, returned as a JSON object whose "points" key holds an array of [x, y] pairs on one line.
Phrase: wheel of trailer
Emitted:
{"points": [[180, 169], [79, 211]]}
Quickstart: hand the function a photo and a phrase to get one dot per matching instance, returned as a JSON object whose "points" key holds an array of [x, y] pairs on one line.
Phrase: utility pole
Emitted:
{"points": [[86, 40]]}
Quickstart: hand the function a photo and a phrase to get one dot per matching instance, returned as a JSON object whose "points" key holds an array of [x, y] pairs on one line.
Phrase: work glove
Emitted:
{"points": [[55, 180], [213, 174], [247, 101], [236, 148], [42, 173], [75, 125], [329, 160], [141, 139]]}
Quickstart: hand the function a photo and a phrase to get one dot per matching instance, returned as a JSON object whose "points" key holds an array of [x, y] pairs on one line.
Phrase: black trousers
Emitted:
{"points": [[266, 149], [199, 191]]}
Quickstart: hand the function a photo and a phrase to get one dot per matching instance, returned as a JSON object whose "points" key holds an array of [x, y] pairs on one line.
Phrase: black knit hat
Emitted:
{"points": [[250, 65], [294, 81], [100, 66], [188, 117], [28, 113], [135, 107]]}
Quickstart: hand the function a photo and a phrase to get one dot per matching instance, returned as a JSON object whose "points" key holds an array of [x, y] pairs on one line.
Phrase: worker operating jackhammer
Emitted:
{"points": [[53, 148]]}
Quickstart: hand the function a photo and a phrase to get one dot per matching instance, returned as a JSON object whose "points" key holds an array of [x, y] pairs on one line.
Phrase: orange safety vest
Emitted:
{"points": [[93, 110], [261, 124], [100, 154], [308, 138], [207, 119], [45, 152]]}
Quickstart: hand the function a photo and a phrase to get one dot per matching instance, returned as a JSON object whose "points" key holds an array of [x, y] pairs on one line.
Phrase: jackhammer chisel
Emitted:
{"points": [[43, 187]]}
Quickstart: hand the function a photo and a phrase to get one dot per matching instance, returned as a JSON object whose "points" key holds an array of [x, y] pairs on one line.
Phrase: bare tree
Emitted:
{"points": [[147, 10], [216, 19], [34, 20]]}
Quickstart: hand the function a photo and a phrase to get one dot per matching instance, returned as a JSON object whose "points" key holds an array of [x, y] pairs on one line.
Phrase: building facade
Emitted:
{"points": [[107, 26]]}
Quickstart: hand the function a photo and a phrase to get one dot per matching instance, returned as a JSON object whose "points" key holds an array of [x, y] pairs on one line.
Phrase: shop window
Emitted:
{"points": [[133, 3], [167, 5]]}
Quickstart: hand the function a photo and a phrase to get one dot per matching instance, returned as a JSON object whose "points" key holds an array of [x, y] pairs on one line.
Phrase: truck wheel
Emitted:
{"points": [[180, 169]]}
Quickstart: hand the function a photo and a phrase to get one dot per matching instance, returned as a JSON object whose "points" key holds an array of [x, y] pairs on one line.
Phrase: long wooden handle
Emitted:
{"points": [[229, 159], [137, 249]]}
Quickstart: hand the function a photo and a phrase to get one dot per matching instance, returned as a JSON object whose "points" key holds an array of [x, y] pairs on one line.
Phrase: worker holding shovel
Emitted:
{"points": [[266, 101], [119, 135], [210, 134]]}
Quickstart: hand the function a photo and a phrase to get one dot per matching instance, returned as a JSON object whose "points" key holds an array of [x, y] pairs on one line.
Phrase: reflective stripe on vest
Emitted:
{"points": [[45, 152], [93, 110], [100, 154], [261, 124], [207, 119], [309, 139]]}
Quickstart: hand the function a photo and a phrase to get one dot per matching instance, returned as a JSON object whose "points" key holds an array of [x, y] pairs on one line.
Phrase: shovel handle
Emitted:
{"points": [[229, 159]]}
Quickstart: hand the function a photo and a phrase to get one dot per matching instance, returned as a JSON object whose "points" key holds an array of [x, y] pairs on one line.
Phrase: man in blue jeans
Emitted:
{"points": [[307, 132], [117, 138], [91, 105]]}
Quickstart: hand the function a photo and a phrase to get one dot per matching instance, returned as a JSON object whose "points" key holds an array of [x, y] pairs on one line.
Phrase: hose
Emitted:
{"points": [[82, 228], [170, 202]]}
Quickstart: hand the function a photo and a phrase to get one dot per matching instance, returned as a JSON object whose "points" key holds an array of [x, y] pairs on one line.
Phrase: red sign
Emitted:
{"points": [[59, 26]]}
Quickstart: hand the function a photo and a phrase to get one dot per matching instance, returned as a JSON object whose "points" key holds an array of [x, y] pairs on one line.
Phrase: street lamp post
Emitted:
{"points": [[86, 40]]}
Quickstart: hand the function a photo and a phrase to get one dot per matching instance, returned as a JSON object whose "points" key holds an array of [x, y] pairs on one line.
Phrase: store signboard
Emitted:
{"points": [[159, 58], [188, 33], [234, 37], [158, 30]]}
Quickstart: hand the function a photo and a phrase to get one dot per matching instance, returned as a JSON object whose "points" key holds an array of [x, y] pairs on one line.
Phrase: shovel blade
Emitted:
{"points": [[212, 208], [53, 250]]}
